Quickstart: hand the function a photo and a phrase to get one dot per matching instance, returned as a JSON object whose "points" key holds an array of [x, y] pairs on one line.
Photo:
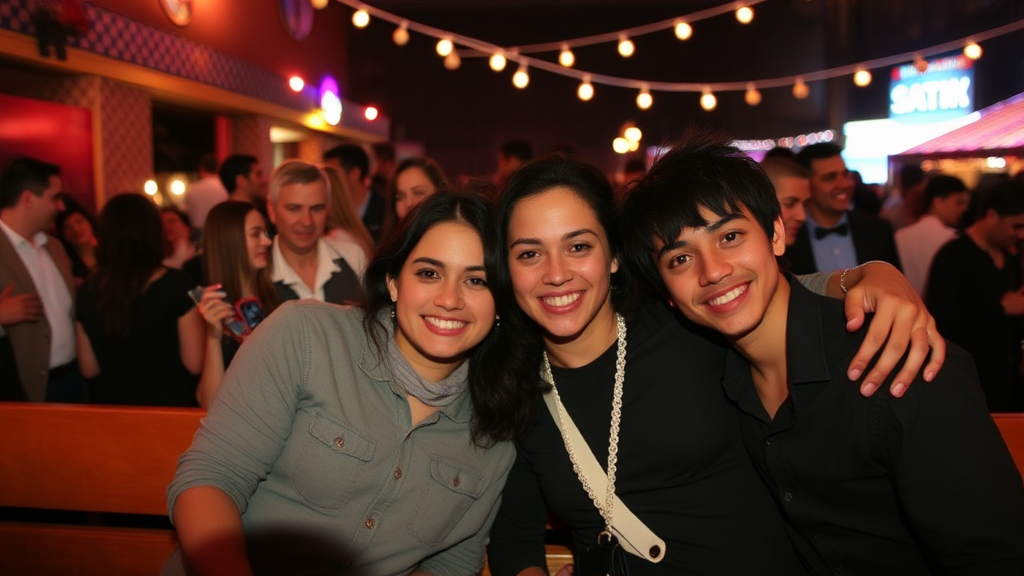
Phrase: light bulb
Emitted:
{"points": [[566, 57], [452, 61], [683, 30], [586, 90], [319, 4], [521, 78], [708, 101], [972, 51], [444, 47], [634, 145], [371, 113], [620, 145], [644, 99], [296, 84], [497, 62], [401, 34], [361, 18], [920, 64], [177, 187], [745, 14], [150, 187], [800, 89], [626, 47], [633, 134], [753, 95], [862, 78]]}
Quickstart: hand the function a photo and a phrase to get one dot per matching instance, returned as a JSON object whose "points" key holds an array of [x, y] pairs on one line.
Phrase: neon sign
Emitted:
{"points": [[945, 90]]}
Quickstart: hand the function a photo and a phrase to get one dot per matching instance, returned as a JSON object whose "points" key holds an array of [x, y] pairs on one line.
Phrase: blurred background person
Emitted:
{"points": [[177, 230], [236, 251], [344, 228], [205, 193], [383, 167], [139, 334], [415, 179], [76, 228], [946, 199]]}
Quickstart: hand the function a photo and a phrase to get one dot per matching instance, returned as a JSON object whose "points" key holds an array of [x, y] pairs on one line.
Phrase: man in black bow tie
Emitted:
{"points": [[834, 236]]}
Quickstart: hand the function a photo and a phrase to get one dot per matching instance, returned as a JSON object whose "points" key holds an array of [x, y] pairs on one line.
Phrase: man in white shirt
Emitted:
{"points": [[946, 199], [37, 298], [205, 193], [304, 263]]}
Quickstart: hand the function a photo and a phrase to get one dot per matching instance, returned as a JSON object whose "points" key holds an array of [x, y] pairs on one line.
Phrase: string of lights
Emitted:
{"points": [[499, 56]]}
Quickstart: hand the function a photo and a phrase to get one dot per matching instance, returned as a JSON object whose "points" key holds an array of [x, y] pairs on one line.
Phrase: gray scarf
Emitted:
{"points": [[436, 394]]}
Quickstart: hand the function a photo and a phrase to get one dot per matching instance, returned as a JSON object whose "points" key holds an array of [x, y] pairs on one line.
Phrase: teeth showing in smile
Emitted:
{"points": [[562, 300], [445, 324], [728, 296]]}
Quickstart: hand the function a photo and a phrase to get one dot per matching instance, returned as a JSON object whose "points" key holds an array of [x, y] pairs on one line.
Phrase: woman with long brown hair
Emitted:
{"points": [[235, 255]]}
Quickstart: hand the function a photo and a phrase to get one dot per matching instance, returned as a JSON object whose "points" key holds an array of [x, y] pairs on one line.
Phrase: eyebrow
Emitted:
{"points": [[710, 228], [439, 264], [570, 235]]}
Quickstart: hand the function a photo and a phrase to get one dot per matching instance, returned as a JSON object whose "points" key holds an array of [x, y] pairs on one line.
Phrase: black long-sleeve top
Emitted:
{"points": [[682, 468], [918, 485]]}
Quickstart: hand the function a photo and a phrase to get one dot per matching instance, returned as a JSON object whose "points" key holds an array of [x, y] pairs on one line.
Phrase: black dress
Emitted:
{"points": [[144, 367], [682, 467]]}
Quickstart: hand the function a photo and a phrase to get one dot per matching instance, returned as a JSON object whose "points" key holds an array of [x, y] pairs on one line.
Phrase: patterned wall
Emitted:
{"points": [[252, 136], [126, 128]]}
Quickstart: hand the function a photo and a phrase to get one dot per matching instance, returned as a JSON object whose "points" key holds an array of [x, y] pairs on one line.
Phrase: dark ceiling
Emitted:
{"points": [[462, 116]]}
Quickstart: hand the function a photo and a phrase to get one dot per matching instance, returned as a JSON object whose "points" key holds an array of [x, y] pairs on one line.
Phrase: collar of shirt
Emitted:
{"points": [[806, 353], [38, 241], [812, 225], [326, 265], [370, 362]]}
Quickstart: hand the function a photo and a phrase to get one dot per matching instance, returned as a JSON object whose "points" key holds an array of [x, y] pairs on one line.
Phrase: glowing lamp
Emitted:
{"points": [[361, 18], [370, 113], [708, 101], [626, 47], [586, 90], [521, 79], [177, 187], [444, 47], [401, 34], [644, 99], [566, 57], [296, 84], [330, 101], [497, 62], [620, 145], [683, 30], [752, 96], [632, 134], [319, 4], [972, 51], [862, 78], [150, 187], [800, 89], [745, 14]]}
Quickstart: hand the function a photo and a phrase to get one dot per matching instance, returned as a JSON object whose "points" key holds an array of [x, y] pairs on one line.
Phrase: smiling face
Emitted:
{"points": [[725, 276], [257, 243], [561, 265], [831, 188], [412, 186], [300, 214], [443, 306]]}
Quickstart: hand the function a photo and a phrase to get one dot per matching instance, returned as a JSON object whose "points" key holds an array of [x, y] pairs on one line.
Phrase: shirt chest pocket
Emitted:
{"points": [[449, 492], [330, 461]]}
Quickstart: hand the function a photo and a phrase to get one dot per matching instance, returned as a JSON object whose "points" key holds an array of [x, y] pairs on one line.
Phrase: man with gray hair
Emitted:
{"points": [[304, 264]]}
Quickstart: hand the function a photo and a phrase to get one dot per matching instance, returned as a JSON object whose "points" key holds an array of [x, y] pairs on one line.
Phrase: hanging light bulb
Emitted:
{"points": [[521, 78], [620, 145], [401, 34], [626, 47], [683, 30], [566, 57], [745, 14], [319, 4], [444, 47], [371, 113], [452, 61], [708, 100], [361, 18], [800, 89], [920, 64], [150, 187], [753, 95], [586, 89], [644, 99], [632, 134], [972, 51], [862, 77], [497, 61]]}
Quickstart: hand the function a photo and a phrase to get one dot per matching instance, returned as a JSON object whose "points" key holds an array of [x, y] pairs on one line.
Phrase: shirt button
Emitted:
{"points": [[456, 482], [398, 473], [788, 496], [339, 442], [370, 523]]}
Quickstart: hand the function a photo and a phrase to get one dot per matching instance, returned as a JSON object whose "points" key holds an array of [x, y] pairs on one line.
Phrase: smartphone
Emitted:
{"points": [[249, 310], [196, 294]]}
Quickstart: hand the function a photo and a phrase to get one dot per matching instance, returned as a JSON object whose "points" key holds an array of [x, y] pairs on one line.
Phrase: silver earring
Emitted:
{"points": [[393, 311], [497, 321]]}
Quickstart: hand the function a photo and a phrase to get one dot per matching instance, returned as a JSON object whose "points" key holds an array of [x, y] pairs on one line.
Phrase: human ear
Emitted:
{"points": [[779, 238], [392, 288]]}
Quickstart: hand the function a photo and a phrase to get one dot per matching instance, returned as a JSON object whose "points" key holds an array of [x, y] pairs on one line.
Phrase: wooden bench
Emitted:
{"points": [[1012, 428], [101, 459]]}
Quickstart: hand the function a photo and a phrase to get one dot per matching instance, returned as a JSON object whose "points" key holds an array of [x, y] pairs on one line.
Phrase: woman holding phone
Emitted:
{"points": [[236, 249]]}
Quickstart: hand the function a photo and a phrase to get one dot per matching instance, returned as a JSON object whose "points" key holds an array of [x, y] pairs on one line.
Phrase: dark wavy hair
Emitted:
{"points": [[130, 249], [443, 207], [510, 408]]}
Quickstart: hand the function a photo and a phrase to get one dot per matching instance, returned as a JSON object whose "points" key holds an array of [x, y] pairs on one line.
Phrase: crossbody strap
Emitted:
{"points": [[634, 536]]}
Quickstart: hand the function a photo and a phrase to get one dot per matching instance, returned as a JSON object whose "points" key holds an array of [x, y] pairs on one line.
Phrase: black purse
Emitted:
{"points": [[607, 558]]}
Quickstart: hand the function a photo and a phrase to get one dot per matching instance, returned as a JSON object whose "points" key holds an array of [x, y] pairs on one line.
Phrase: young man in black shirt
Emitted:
{"points": [[918, 485]]}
